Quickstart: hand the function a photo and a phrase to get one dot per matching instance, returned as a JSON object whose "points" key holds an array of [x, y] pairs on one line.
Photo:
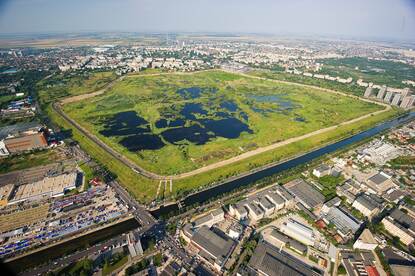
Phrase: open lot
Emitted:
{"points": [[175, 123]]}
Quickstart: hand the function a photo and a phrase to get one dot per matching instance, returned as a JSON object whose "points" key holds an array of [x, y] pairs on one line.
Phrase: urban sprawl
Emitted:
{"points": [[351, 212]]}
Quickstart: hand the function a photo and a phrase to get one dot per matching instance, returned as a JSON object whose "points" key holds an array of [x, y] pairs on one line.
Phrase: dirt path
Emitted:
{"points": [[222, 163]]}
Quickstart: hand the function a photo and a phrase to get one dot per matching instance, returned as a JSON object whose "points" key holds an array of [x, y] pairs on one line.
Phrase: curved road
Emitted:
{"points": [[138, 169]]}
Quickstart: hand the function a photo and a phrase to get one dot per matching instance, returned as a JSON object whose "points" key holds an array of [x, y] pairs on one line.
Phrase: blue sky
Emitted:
{"points": [[357, 18]]}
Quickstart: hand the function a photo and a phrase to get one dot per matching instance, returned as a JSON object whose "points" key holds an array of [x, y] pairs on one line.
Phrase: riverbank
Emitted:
{"points": [[68, 246]]}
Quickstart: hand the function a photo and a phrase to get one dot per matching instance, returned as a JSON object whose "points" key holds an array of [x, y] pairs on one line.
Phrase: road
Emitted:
{"points": [[140, 213], [245, 155]]}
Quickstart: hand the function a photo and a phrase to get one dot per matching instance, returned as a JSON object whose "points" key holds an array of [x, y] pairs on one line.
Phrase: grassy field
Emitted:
{"points": [[261, 112], [29, 160], [145, 189], [71, 84]]}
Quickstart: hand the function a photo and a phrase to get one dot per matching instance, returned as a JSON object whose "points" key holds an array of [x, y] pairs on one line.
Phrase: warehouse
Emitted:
{"points": [[48, 187], [305, 193], [298, 231], [268, 260], [25, 143], [214, 245]]}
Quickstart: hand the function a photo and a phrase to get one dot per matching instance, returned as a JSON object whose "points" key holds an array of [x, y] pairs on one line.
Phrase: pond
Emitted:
{"points": [[134, 130], [282, 102], [195, 92]]}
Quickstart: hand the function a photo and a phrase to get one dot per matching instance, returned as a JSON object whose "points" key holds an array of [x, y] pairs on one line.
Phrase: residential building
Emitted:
{"points": [[396, 99], [408, 101], [368, 92], [381, 92], [388, 97]]}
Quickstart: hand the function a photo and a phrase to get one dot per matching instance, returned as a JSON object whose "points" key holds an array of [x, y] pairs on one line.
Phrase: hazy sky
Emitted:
{"points": [[359, 18]]}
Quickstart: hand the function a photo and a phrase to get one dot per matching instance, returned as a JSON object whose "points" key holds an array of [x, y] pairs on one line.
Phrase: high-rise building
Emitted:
{"points": [[408, 101], [381, 93], [368, 92], [388, 97], [396, 99]]}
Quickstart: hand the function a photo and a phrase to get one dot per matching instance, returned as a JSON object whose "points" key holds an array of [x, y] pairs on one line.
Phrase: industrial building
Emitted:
{"points": [[213, 245], [305, 193], [360, 263], [276, 237], [21, 137], [210, 219], [346, 225], [270, 261], [321, 170], [5, 194], [379, 183], [298, 231], [366, 241], [53, 186], [262, 204], [367, 205], [400, 225]]}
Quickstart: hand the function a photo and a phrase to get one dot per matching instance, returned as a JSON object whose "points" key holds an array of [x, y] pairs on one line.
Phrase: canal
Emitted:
{"points": [[68, 247], [226, 187]]}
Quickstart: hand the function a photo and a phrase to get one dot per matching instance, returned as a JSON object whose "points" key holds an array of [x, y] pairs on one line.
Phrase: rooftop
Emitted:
{"points": [[344, 222], [50, 186], [270, 261], [18, 128], [215, 243], [379, 178], [305, 192]]}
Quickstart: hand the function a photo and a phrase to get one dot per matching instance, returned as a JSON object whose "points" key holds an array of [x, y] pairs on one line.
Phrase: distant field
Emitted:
{"points": [[59, 86], [380, 72], [174, 123]]}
